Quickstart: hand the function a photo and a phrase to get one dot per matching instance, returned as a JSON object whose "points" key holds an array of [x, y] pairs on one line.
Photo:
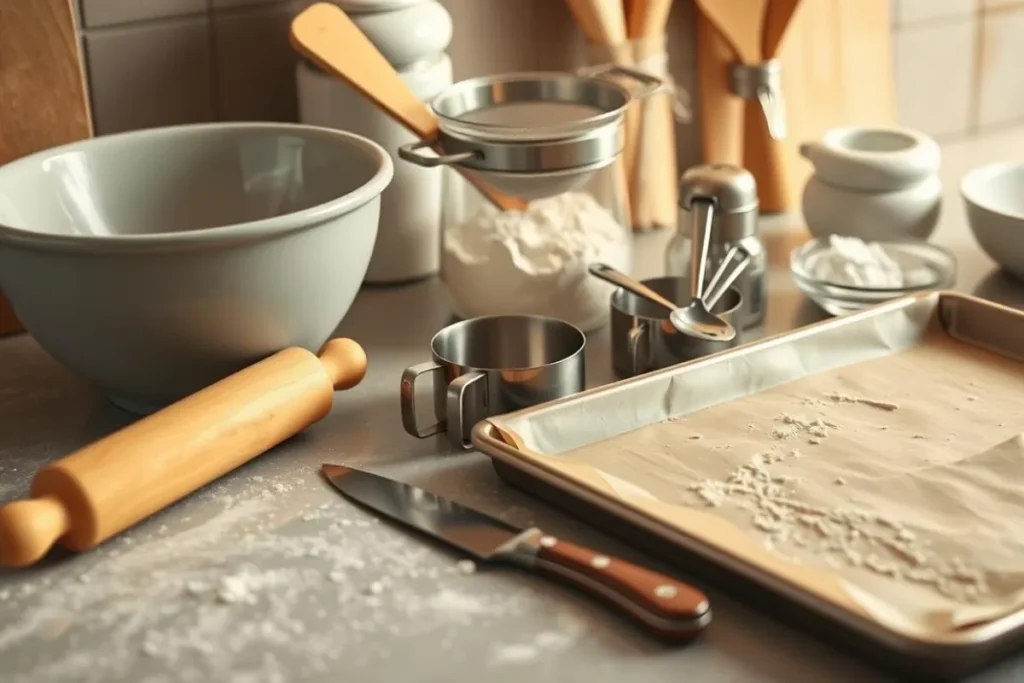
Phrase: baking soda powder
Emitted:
{"points": [[535, 261]]}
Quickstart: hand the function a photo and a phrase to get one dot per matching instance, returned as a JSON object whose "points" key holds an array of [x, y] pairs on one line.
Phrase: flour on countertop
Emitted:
{"points": [[536, 261], [543, 643], [254, 592]]}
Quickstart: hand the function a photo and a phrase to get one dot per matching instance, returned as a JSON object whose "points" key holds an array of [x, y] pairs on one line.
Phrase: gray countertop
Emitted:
{"points": [[268, 575]]}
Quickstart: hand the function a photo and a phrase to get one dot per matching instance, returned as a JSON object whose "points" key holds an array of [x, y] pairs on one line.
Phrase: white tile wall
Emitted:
{"points": [[914, 11], [959, 63], [934, 76], [1001, 91], [1000, 4]]}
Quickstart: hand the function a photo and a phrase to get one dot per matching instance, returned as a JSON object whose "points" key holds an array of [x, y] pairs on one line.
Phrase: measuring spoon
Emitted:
{"points": [[751, 249], [695, 319], [683, 324]]}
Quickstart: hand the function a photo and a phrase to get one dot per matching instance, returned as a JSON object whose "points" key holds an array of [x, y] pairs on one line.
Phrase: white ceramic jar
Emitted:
{"points": [[412, 35], [873, 183]]}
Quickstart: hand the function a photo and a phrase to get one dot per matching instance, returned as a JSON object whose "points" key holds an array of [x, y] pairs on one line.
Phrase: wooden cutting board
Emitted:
{"points": [[837, 70], [44, 99]]}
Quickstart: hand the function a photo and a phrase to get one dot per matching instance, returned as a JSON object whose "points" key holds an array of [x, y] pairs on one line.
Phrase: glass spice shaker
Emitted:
{"points": [[554, 141], [733, 191]]}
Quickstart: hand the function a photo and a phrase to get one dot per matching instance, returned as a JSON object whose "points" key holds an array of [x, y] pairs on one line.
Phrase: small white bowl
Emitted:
{"points": [[836, 298], [994, 197]]}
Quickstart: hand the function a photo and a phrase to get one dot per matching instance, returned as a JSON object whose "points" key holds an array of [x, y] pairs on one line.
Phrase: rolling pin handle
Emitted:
{"points": [[29, 528], [345, 362]]}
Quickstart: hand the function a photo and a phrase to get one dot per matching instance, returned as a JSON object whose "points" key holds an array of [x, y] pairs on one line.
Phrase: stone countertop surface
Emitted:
{"points": [[269, 575]]}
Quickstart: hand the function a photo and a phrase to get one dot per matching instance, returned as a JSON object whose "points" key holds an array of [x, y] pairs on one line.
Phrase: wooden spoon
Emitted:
{"points": [[655, 185], [604, 23], [648, 17], [324, 34]]}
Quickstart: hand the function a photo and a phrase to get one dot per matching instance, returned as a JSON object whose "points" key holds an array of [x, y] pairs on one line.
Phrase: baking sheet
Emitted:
{"points": [[900, 507]]}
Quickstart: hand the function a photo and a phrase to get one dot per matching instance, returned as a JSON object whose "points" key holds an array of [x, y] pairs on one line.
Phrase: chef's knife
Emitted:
{"points": [[671, 609]]}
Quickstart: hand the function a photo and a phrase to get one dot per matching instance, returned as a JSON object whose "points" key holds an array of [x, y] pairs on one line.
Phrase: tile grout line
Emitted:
{"points": [[976, 69]]}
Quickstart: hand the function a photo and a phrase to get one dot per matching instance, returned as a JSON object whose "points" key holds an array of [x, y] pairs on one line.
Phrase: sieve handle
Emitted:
{"points": [[652, 84], [410, 152]]}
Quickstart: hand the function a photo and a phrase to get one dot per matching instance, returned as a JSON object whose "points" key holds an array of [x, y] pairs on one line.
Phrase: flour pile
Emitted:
{"points": [[535, 261]]}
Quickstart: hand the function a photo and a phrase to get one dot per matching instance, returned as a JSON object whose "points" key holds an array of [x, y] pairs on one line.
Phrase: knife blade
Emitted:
{"points": [[668, 607]]}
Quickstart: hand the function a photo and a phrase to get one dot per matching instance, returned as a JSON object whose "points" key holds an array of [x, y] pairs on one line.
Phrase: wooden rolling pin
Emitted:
{"points": [[104, 488]]}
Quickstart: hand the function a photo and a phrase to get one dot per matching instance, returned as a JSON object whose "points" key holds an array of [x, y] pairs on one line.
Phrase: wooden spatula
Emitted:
{"points": [[763, 155], [324, 34], [727, 31], [777, 18], [741, 23], [43, 101]]}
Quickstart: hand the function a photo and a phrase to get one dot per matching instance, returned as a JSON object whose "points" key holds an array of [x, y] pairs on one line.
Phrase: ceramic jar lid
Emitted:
{"points": [[368, 6], [406, 32]]}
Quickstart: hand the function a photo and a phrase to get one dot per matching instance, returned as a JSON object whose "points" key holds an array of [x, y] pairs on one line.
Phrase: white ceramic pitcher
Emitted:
{"points": [[874, 183]]}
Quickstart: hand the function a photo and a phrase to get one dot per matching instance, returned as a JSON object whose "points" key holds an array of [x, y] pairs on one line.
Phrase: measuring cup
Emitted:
{"points": [[643, 337], [493, 365]]}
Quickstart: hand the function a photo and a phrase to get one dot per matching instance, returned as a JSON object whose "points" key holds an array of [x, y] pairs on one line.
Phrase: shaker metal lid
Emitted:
{"points": [[529, 106], [731, 188]]}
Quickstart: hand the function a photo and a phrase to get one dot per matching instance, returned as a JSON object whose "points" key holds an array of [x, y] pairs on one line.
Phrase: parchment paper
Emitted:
{"points": [[922, 499]]}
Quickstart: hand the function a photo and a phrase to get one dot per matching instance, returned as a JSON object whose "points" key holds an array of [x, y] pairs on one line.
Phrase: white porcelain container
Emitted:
{"points": [[412, 35], [873, 183]]}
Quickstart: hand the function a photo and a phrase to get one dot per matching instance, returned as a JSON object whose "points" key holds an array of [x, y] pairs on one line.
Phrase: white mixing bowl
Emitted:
{"points": [[159, 261], [994, 198]]}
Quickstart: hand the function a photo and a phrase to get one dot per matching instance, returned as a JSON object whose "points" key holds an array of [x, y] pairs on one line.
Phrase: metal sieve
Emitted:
{"points": [[534, 134]]}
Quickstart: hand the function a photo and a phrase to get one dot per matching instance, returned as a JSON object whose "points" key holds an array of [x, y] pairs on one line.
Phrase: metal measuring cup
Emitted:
{"points": [[494, 365], [642, 336]]}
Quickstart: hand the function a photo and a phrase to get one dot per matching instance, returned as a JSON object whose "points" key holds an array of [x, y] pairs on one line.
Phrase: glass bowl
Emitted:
{"points": [[933, 267]]}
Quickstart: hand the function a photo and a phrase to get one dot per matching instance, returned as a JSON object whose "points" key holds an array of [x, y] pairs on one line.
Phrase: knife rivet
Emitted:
{"points": [[600, 562], [665, 591], [548, 541]]}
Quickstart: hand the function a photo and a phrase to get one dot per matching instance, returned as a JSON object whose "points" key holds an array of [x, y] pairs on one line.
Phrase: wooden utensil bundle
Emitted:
{"points": [[632, 33], [736, 129]]}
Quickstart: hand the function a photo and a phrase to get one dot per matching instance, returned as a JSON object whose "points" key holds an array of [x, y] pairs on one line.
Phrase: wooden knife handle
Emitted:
{"points": [[669, 608], [109, 485]]}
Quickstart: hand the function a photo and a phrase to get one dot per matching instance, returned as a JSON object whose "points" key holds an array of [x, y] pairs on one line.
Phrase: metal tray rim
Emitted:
{"points": [[486, 437]]}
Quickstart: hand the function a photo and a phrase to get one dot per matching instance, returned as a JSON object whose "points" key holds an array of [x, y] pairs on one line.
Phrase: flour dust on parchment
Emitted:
{"points": [[268, 588], [842, 536], [902, 472]]}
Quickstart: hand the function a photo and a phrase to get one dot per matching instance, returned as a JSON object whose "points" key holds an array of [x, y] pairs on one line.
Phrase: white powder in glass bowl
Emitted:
{"points": [[535, 261]]}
